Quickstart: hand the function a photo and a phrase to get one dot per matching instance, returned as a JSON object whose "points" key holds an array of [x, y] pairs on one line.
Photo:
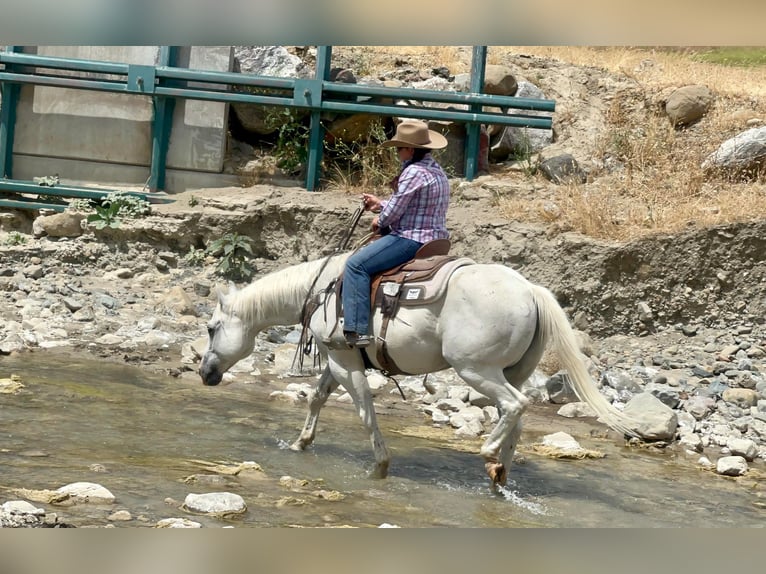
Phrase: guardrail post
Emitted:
{"points": [[162, 123], [473, 130], [8, 122], [316, 135]]}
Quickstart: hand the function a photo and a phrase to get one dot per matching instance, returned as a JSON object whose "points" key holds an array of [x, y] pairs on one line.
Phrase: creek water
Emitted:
{"points": [[142, 435]]}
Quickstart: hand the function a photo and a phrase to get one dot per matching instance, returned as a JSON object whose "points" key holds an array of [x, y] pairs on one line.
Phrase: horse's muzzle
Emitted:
{"points": [[208, 370]]}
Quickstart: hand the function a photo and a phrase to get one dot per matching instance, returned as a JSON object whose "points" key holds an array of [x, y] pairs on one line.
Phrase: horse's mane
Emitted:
{"points": [[286, 288]]}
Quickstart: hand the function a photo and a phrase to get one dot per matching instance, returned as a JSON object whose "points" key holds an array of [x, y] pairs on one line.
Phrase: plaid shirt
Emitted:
{"points": [[418, 208]]}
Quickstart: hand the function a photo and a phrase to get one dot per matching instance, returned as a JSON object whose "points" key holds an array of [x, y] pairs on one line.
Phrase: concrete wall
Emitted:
{"points": [[102, 137]]}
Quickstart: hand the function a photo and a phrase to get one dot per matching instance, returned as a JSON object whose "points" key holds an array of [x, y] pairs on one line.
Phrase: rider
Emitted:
{"points": [[415, 213]]}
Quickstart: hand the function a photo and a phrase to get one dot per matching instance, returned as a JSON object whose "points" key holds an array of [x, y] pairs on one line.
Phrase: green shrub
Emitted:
{"points": [[233, 251], [117, 206], [15, 238]]}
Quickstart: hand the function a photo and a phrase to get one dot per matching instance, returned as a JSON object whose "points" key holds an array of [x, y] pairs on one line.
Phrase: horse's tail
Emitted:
{"points": [[555, 328]]}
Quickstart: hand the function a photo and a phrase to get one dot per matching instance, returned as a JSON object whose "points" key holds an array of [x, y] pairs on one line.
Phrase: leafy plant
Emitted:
{"points": [[233, 251], [105, 216], [524, 155], [291, 149], [193, 201], [80, 204], [15, 238], [195, 257], [117, 206]]}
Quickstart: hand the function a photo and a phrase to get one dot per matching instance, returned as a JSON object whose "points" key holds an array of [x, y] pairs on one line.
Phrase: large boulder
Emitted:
{"points": [[688, 105], [499, 80], [513, 142], [272, 61], [744, 152]]}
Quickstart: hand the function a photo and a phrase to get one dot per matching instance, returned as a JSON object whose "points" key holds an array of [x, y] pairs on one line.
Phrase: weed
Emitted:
{"points": [[105, 216], [193, 201], [361, 163], [291, 149], [15, 238], [117, 206], [195, 257], [523, 155], [232, 251], [80, 204]]}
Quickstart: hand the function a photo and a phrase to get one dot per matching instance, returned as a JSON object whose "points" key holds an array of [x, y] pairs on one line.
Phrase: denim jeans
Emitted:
{"points": [[384, 253]]}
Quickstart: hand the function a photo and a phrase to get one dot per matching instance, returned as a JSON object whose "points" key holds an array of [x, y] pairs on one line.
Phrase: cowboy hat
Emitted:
{"points": [[415, 133]]}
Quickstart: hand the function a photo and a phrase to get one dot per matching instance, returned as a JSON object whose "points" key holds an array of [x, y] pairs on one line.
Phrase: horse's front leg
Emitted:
{"points": [[324, 388], [352, 377]]}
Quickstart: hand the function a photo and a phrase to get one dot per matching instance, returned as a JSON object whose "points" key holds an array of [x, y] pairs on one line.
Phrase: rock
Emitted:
{"points": [[576, 410], [499, 80], [743, 447], [743, 398], [688, 105], [691, 441], [215, 503], [64, 224], [562, 441], [558, 389], [177, 523], [511, 141], [85, 492], [658, 421], [731, 466], [745, 151], [176, 300], [20, 514], [562, 169], [273, 61]]}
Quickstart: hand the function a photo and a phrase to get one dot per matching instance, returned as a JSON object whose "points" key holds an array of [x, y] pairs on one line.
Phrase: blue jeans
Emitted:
{"points": [[384, 253]]}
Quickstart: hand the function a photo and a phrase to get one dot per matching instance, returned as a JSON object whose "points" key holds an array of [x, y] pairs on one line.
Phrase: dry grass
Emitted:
{"points": [[647, 177], [669, 66]]}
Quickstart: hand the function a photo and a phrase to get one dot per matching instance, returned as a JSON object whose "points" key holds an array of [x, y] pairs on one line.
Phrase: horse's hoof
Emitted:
{"points": [[298, 446], [380, 471], [497, 473]]}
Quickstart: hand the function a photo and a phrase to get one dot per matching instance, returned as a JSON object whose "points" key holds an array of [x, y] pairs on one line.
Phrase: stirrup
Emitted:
{"points": [[358, 341]]}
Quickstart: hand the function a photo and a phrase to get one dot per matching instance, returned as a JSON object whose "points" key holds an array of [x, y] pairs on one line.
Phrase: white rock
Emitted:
{"points": [[562, 441], [81, 492], [743, 447], [21, 507], [177, 523], [576, 410], [215, 503], [731, 466]]}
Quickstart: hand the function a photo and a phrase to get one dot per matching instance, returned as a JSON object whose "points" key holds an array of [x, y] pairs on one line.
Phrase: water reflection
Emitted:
{"points": [[141, 435]]}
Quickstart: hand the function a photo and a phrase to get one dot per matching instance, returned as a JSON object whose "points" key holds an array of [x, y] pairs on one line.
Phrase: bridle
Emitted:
{"points": [[306, 342]]}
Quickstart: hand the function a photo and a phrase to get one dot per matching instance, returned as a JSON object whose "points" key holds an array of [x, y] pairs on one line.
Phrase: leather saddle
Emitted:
{"points": [[415, 282]]}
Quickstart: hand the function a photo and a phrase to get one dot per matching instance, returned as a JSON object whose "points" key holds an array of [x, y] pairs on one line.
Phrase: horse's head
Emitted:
{"points": [[230, 339]]}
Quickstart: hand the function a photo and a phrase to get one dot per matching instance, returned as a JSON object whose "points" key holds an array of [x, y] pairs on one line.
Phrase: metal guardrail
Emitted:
{"points": [[166, 82], [54, 194]]}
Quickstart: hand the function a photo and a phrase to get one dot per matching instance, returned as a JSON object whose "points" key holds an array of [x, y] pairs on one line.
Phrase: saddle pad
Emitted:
{"points": [[421, 291]]}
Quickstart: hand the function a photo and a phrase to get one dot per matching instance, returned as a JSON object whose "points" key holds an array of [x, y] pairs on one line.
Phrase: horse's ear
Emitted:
{"points": [[221, 294]]}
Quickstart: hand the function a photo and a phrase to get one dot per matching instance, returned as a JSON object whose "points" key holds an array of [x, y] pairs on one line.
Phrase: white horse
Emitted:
{"points": [[491, 326]]}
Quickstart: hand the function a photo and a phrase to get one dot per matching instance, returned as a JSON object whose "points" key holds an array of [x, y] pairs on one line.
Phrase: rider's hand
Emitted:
{"points": [[375, 224], [371, 202]]}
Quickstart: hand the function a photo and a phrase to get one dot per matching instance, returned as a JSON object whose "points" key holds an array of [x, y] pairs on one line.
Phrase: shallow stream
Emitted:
{"points": [[142, 435]]}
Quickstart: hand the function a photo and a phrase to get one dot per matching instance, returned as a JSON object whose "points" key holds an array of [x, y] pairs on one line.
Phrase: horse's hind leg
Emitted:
{"points": [[497, 450], [324, 388]]}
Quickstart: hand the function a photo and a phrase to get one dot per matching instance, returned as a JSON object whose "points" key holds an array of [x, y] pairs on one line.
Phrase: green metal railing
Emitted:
{"points": [[166, 82]]}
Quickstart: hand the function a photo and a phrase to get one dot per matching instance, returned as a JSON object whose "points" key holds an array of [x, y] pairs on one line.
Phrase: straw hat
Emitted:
{"points": [[415, 133]]}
